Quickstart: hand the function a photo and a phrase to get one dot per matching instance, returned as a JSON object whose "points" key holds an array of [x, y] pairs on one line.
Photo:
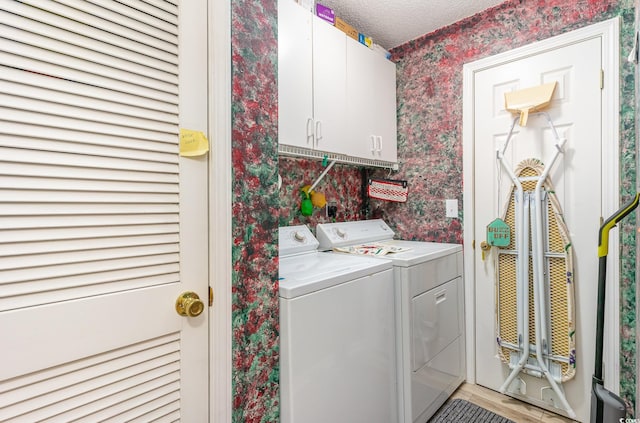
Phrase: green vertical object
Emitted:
{"points": [[498, 233]]}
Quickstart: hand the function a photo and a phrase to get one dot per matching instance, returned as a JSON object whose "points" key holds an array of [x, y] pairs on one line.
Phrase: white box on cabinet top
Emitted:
{"points": [[335, 94]]}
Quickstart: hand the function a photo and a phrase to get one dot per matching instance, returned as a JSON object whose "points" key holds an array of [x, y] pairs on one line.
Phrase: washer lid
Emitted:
{"points": [[306, 273]]}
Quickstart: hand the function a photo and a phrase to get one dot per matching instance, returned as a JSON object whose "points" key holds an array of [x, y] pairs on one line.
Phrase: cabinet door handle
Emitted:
{"points": [[310, 131], [373, 145], [379, 144], [318, 132], [441, 296]]}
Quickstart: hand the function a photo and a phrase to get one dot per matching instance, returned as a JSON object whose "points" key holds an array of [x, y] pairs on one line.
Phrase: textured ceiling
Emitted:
{"points": [[391, 23]]}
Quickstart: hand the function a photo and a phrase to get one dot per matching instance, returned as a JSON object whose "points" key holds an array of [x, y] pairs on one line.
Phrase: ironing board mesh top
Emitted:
{"points": [[511, 221], [532, 311], [507, 301], [556, 243], [559, 310], [558, 268]]}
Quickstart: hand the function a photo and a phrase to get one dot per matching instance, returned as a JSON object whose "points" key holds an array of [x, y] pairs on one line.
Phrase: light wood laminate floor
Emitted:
{"points": [[518, 411]]}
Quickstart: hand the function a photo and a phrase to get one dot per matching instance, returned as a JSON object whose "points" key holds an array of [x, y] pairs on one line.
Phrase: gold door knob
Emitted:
{"points": [[189, 304], [484, 246]]}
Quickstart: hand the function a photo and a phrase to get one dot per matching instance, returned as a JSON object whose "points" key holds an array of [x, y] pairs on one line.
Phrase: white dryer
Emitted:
{"points": [[337, 334], [429, 305]]}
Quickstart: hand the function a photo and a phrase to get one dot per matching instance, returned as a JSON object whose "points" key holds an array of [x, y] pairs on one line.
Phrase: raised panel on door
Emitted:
{"points": [[104, 225], [329, 86], [576, 176], [295, 83]]}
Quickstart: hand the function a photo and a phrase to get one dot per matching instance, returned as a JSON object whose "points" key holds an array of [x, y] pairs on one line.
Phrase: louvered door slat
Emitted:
{"points": [[87, 256], [58, 290], [30, 248], [145, 163], [88, 268], [87, 126], [41, 60], [127, 29], [34, 35], [19, 100], [49, 209], [20, 141], [36, 22], [82, 221], [58, 139], [165, 414], [127, 14], [140, 11], [159, 9], [34, 183], [139, 401], [166, 404], [93, 36], [71, 170], [80, 98], [31, 235], [117, 101], [51, 377], [90, 197], [167, 6], [74, 380], [88, 396], [20, 56]]}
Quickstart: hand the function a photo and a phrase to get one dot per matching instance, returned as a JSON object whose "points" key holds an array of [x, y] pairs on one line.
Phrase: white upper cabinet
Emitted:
{"points": [[335, 94], [371, 103]]}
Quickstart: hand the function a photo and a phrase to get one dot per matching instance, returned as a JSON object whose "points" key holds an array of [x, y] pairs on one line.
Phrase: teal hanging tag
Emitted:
{"points": [[498, 233]]}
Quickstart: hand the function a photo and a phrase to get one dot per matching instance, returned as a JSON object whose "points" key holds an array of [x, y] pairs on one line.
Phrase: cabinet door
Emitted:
{"points": [[329, 86], [295, 94], [385, 120], [360, 101], [371, 103]]}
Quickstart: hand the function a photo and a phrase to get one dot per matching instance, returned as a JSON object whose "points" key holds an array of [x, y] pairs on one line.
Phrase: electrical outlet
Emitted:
{"points": [[332, 209], [452, 208]]}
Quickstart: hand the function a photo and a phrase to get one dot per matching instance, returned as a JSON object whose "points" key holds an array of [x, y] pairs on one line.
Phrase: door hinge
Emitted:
{"points": [[602, 79], [210, 296], [473, 244]]}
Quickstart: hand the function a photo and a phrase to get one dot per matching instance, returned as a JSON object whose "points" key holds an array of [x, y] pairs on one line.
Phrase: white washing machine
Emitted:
{"points": [[337, 335], [429, 299]]}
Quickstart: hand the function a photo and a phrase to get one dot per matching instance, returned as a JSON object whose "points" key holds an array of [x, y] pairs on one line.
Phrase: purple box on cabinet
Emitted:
{"points": [[325, 13]]}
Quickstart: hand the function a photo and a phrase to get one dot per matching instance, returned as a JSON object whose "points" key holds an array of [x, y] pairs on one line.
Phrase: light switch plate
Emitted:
{"points": [[452, 208]]}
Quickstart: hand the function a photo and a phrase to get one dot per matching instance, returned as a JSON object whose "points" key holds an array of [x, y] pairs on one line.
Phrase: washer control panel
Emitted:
{"points": [[295, 240]]}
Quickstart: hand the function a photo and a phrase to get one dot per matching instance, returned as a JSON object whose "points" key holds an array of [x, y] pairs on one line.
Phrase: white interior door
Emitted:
{"points": [[103, 224], [576, 176]]}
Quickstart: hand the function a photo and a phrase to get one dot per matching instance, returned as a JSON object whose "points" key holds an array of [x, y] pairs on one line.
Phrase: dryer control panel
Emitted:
{"points": [[342, 234]]}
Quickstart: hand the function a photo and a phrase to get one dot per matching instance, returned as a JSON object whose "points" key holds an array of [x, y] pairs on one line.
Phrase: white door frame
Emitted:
{"points": [[219, 64], [609, 32]]}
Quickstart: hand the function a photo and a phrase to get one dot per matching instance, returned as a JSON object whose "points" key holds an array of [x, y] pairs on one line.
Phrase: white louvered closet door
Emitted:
{"points": [[102, 224]]}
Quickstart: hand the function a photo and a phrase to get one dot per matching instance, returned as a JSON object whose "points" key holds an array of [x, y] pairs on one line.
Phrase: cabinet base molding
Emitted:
{"points": [[287, 150]]}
